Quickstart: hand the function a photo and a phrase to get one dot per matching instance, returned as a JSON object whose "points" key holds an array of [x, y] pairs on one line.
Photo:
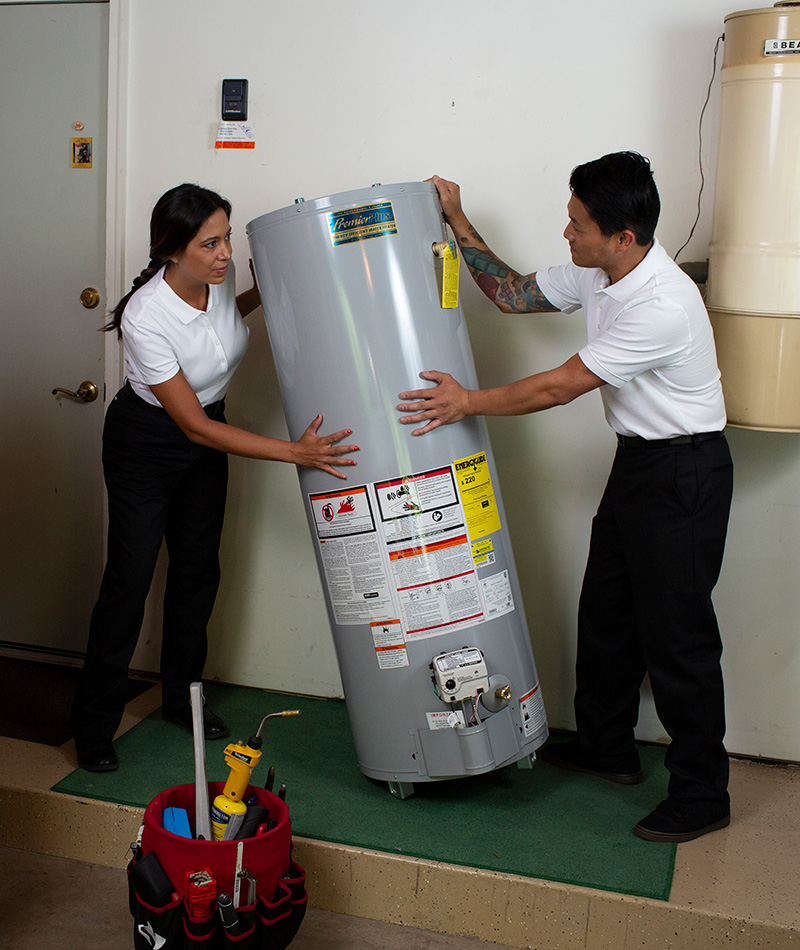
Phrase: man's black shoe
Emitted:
{"points": [[213, 726], [676, 821], [570, 756], [98, 758]]}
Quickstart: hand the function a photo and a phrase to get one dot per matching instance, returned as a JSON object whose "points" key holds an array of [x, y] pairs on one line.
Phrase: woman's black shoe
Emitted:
{"points": [[100, 758]]}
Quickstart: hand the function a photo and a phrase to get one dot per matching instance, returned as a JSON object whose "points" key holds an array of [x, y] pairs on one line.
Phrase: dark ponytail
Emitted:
{"points": [[177, 216]]}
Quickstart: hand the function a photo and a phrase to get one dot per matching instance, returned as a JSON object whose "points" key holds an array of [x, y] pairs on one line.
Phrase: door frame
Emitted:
{"points": [[116, 177]]}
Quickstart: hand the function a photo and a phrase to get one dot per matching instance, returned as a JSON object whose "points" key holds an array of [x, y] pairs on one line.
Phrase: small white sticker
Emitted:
{"points": [[497, 596], [447, 719], [235, 135], [390, 644]]}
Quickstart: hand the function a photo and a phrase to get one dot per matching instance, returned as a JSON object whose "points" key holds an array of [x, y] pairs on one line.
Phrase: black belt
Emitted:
{"points": [[637, 442]]}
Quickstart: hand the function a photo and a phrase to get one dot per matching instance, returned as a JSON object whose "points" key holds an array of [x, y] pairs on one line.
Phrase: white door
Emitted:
{"points": [[53, 69]]}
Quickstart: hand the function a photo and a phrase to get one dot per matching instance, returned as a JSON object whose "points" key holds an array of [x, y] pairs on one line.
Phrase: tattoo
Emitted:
{"points": [[506, 295], [532, 296], [488, 285], [483, 261], [508, 289]]}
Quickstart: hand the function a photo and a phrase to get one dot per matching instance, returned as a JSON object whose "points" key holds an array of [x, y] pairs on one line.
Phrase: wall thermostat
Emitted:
{"points": [[234, 100]]}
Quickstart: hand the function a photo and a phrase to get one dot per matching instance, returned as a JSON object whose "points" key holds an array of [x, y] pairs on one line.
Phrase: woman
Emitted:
{"points": [[165, 445]]}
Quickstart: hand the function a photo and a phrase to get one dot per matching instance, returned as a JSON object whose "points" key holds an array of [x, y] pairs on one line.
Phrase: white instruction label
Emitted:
{"points": [[497, 596], [531, 707], [355, 573]]}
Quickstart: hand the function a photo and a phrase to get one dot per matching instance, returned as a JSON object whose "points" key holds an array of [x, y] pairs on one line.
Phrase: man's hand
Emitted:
{"points": [[450, 199], [440, 405]]}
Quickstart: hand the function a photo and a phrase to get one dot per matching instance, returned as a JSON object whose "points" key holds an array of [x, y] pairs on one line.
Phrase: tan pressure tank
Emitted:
{"points": [[753, 294]]}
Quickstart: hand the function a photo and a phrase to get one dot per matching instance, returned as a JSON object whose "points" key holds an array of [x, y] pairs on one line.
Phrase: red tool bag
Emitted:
{"points": [[157, 881]]}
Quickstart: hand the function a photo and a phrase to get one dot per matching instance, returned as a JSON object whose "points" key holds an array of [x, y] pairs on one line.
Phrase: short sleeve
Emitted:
{"points": [[150, 354], [561, 286]]}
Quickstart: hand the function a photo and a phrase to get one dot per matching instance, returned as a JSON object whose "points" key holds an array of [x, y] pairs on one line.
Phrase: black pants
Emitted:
{"points": [[656, 551], [161, 486]]}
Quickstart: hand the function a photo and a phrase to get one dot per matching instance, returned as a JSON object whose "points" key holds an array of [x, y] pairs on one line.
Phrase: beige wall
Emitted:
{"points": [[505, 98]]}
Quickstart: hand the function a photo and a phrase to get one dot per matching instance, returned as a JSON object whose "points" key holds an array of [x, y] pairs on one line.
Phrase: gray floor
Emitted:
{"points": [[52, 903]]}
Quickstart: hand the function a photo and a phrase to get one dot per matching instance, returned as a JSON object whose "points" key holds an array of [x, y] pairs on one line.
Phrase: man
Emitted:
{"points": [[659, 532]]}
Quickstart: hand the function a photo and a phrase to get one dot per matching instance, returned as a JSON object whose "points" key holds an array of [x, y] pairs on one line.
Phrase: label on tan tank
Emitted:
{"points": [[779, 47]]}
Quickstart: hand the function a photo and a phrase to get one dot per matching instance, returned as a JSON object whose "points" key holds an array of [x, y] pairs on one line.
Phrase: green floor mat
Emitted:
{"points": [[540, 822]]}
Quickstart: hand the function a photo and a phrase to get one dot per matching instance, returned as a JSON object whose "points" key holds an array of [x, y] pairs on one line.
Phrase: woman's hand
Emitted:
{"points": [[249, 300], [446, 402], [315, 451]]}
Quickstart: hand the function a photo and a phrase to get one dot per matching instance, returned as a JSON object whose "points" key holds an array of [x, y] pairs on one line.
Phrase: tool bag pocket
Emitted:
{"points": [[295, 881], [248, 936], [280, 918], [200, 932], [153, 925]]}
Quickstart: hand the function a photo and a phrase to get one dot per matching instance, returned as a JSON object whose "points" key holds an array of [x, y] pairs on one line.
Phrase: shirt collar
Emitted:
{"points": [[639, 276], [182, 310]]}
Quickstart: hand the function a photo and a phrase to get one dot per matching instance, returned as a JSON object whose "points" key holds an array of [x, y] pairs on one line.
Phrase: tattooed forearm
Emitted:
{"points": [[511, 291]]}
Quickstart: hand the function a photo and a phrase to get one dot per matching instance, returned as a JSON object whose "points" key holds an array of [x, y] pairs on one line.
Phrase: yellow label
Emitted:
{"points": [[477, 495], [482, 552], [450, 276]]}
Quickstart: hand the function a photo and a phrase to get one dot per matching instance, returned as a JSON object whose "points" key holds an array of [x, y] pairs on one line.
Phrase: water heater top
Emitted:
{"points": [[344, 199]]}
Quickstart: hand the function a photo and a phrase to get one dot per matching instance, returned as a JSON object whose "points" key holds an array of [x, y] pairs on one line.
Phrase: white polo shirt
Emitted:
{"points": [[650, 339], [163, 334]]}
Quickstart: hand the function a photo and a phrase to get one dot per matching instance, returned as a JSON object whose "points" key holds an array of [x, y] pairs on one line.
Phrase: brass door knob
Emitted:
{"points": [[87, 391], [90, 298]]}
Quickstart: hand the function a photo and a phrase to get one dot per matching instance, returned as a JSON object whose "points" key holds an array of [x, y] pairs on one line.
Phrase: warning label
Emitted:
{"points": [[390, 645]]}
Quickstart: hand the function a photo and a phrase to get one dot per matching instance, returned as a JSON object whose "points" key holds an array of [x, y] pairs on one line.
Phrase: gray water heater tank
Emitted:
{"points": [[413, 550]]}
